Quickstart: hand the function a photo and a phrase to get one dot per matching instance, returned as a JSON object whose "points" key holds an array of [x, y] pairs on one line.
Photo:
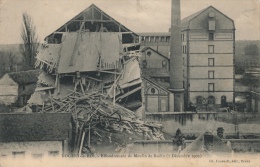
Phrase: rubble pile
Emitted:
{"points": [[104, 119], [90, 81]]}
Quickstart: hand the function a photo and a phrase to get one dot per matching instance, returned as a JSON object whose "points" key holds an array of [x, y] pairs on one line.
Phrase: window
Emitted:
{"points": [[182, 37], [147, 39], [162, 39], [18, 154], [144, 63], [211, 62], [53, 153], [164, 64], [149, 53], [211, 100], [211, 36], [168, 39], [184, 49], [156, 39], [211, 48], [153, 90], [152, 39], [211, 87], [199, 100], [211, 74]]}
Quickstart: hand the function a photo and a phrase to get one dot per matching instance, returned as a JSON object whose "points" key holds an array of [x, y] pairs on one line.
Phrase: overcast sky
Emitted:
{"points": [[137, 15]]}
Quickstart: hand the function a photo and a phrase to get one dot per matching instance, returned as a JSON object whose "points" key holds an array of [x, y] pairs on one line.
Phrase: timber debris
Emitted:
{"points": [[90, 75]]}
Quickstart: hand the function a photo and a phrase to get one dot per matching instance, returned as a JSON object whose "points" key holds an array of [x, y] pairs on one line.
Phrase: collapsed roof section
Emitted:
{"points": [[85, 51], [93, 19]]}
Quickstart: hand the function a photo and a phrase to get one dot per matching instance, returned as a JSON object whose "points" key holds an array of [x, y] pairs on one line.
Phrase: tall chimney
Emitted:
{"points": [[176, 73]]}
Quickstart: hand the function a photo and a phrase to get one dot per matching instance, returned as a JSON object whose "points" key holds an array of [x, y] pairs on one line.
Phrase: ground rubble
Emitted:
{"points": [[99, 122], [91, 75]]}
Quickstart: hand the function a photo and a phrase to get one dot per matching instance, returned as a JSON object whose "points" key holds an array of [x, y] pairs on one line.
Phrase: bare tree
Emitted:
{"points": [[30, 41], [10, 62]]}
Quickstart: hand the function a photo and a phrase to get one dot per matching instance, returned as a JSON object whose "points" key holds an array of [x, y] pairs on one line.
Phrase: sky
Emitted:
{"points": [[137, 15]]}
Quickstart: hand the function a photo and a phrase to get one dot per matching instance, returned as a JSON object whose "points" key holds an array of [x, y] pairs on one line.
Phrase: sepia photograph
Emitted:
{"points": [[129, 83]]}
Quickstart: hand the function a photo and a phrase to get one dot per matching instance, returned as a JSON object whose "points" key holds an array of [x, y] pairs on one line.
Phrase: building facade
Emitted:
{"points": [[154, 59], [208, 49], [158, 99], [208, 45], [159, 42], [33, 135]]}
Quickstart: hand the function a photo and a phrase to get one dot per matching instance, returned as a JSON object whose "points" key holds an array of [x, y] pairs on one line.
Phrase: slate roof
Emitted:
{"points": [[25, 77], [34, 127]]}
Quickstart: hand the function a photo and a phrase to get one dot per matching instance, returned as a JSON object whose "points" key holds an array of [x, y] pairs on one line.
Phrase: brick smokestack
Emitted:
{"points": [[176, 73]]}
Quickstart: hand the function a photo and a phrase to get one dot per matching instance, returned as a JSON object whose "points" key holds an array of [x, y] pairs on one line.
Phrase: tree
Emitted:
{"points": [[30, 41], [9, 62], [251, 50], [250, 80]]}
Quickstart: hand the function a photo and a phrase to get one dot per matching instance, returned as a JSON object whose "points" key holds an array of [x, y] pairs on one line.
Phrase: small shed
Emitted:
{"points": [[35, 135], [17, 87]]}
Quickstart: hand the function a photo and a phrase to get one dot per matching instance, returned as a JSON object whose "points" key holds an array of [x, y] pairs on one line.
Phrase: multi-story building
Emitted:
{"points": [[208, 44], [208, 48]]}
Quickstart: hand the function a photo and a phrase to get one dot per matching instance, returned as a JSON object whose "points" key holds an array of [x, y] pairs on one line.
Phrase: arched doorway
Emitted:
{"points": [[211, 100], [211, 103], [199, 100], [223, 101], [152, 97]]}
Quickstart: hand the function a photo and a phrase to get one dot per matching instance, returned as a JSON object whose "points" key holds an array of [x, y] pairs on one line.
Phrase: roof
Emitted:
{"points": [[91, 12], [25, 77], [155, 72], [150, 74], [186, 21], [154, 34], [145, 48], [34, 127], [89, 52], [198, 144]]}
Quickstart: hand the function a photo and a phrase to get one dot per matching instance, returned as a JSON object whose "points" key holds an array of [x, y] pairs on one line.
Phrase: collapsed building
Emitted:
{"points": [[90, 68]]}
